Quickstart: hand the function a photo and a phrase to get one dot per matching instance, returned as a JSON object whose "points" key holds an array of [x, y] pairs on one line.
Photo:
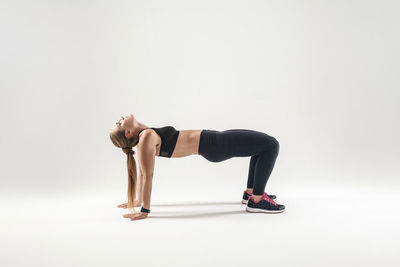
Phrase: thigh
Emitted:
{"points": [[240, 142]]}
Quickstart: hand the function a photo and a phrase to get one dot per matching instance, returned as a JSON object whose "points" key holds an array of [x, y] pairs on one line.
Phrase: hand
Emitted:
{"points": [[137, 203], [124, 206], [136, 216]]}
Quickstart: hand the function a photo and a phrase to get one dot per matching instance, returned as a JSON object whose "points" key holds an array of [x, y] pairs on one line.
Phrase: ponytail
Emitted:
{"points": [[132, 178]]}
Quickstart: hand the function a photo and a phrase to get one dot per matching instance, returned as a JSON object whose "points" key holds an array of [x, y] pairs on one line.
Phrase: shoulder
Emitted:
{"points": [[147, 138], [146, 147]]}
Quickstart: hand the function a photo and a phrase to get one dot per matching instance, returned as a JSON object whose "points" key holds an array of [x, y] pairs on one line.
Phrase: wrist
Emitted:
{"points": [[144, 210]]}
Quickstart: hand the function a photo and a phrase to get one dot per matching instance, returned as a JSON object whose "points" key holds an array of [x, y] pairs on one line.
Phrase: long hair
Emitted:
{"points": [[119, 139]]}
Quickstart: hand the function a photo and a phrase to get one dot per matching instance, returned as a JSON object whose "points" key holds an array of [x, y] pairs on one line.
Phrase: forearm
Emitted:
{"points": [[139, 188], [147, 185]]}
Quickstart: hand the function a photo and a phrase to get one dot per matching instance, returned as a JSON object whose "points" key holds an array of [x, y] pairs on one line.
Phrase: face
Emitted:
{"points": [[124, 123]]}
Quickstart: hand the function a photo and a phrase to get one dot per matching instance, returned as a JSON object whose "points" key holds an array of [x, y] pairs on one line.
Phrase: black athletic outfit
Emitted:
{"points": [[169, 136], [216, 146]]}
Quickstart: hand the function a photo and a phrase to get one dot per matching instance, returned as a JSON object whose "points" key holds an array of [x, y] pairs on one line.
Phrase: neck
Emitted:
{"points": [[138, 126]]}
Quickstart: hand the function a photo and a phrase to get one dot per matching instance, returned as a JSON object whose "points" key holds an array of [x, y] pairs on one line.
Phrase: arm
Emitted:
{"points": [[147, 186], [146, 155], [139, 190]]}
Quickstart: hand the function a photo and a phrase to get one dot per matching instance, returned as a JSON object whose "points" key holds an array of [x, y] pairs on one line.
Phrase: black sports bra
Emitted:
{"points": [[169, 136]]}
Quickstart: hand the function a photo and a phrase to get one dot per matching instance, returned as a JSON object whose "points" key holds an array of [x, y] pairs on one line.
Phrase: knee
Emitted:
{"points": [[273, 145]]}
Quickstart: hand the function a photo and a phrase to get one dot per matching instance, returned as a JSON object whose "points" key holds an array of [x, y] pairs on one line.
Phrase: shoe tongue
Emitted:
{"points": [[267, 198]]}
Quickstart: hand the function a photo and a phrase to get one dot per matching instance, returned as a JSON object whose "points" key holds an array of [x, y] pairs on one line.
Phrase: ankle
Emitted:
{"points": [[249, 190], [256, 198]]}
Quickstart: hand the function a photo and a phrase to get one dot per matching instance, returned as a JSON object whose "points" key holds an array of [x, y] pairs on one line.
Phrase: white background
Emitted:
{"points": [[320, 76]]}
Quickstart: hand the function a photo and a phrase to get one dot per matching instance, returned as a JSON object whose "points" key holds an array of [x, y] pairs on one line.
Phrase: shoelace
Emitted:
{"points": [[264, 196], [267, 198]]}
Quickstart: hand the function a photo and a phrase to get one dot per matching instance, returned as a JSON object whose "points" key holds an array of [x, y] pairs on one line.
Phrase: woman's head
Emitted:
{"points": [[121, 135]]}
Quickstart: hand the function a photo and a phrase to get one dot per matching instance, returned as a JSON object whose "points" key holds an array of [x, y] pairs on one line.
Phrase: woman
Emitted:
{"points": [[215, 146]]}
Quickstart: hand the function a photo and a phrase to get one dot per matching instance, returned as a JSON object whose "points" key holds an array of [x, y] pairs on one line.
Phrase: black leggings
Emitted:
{"points": [[216, 146]]}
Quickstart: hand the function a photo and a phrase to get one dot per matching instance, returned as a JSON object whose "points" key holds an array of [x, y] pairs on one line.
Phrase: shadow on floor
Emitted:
{"points": [[198, 215], [197, 204]]}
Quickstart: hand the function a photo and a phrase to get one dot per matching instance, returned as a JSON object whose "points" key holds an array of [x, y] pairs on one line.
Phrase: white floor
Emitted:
{"points": [[356, 227]]}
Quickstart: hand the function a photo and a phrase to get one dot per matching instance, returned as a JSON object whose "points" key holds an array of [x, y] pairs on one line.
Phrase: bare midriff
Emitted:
{"points": [[187, 143]]}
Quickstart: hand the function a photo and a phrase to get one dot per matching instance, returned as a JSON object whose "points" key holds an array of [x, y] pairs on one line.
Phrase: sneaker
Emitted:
{"points": [[265, 204], [247, 195]]}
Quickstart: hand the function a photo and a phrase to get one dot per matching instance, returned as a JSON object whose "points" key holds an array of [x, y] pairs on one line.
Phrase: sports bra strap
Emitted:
{"points": [[140, 132]]}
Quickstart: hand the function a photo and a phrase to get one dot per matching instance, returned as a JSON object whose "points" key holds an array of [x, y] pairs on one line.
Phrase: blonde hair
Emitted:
{"points": [[119, 139]]}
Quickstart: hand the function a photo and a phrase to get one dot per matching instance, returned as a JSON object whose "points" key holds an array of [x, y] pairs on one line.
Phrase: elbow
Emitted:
{"points": [[147, 176]]}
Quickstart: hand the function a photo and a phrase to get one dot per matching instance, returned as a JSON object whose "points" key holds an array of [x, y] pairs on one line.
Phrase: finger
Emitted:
{"points": [[136, 216], [130, 215], [140, 216]]}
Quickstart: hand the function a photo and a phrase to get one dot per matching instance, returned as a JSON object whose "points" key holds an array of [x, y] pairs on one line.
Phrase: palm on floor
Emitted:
{"points": [[137, 203]]}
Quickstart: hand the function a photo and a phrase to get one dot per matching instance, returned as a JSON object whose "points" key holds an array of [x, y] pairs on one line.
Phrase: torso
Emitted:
{"points": [[187, 143]]}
